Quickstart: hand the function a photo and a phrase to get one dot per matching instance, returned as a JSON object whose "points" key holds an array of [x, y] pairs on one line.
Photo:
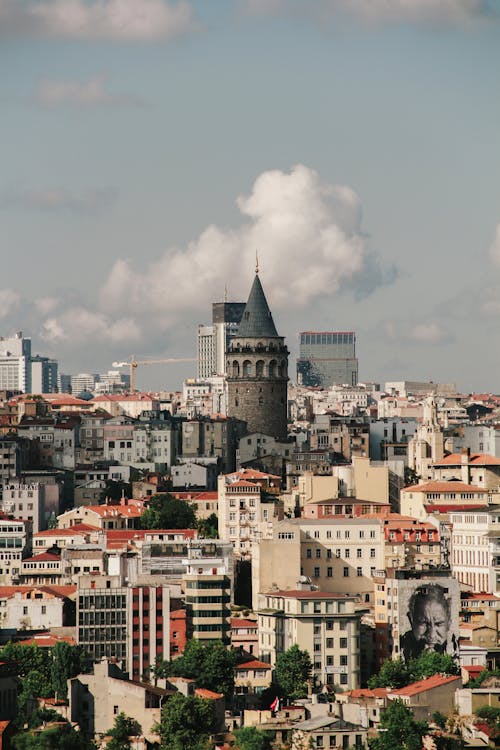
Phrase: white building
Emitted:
{"points": [[475, 548], [15, 363], [206, 351], [84, 381], [15, 541], [43, 375]]}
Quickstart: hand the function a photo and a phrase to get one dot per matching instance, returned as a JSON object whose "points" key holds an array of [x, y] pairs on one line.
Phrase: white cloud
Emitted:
{"points": [[434, 12], [78, 325], [307, 234], [9, 301], [494, 250], [91, 201], [429, 333], [45, 305], [91, 93], [120, 20]]}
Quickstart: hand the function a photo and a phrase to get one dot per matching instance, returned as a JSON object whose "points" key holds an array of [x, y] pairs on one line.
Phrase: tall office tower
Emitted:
{"points": [[327, 358], [257, 369], [43, 375], [213, 341], [15, 363], [63, 383]]}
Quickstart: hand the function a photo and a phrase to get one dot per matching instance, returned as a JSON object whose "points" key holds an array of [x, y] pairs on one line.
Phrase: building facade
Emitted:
{"points": [[327, 358], [15, 363]]}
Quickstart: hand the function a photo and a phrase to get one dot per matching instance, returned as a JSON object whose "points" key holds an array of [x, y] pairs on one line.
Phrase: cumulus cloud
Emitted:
{"points": [[92, 201], [9, 302], [307, 234], [77, 325], [429, 333], [45, 305], [118, 20], [494, 250], [434, 12], [91, 93]]}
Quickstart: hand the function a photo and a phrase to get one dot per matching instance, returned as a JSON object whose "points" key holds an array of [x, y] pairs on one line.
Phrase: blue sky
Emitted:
{"points": [[148, 149]]}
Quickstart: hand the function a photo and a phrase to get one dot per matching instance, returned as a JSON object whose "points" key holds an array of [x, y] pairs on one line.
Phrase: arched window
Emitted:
{"points": [[236, 369], [282, 370], [272, 368], [247, 369], [259, 368]]}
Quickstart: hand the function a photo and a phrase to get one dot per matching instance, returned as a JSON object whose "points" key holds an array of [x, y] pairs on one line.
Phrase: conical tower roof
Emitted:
{"points": [[257, 320]]}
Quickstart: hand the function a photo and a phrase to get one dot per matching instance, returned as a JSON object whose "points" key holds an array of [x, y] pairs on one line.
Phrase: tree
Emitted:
{"points": [[208, 527], [432, 662], [123, 728], [394, 673], [186, 722], [210, 664], [67, 662], [60, 737], [251, 738], [115, 490], [165, 512], [398, 729], [293, 670]]}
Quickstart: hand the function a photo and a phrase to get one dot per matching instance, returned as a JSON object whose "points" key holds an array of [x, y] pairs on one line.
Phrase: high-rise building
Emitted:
{"points": [[213, 341], [15, 363], [63, 383], [84, 381], [43, 375], [257, 369], [327, 358]]}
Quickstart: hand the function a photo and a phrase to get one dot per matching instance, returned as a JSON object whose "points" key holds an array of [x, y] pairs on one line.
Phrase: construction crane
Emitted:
{"points": [[133, 364]]}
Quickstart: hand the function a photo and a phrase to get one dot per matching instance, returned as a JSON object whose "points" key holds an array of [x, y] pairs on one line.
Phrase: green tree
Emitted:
{"points": [[60, 737], [186, 723], [165, 512], [67, 662], [115, 490], [27, 659], [123, 728], [210, 664], [251, 738], [394, 673], [439, 719], [482, 676], [293, 671], [208, 527], [431, 662], [398, 729]]}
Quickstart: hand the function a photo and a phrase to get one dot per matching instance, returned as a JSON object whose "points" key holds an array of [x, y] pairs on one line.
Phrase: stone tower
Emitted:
{"points": [[257, 369]]}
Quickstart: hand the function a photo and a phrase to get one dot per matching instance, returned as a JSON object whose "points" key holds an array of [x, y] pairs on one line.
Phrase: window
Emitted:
{"points": [[115, 710], [372, 552], [318, 552], [346, 572], [359, 572], [44, 609], [308, 553], [329, 572], [343, 643], [347, 553], [316, 572], [359, 552], [329, 642]]}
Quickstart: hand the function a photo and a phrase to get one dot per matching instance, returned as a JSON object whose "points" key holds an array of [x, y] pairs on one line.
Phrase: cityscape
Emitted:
{"points": [[249, 398]]}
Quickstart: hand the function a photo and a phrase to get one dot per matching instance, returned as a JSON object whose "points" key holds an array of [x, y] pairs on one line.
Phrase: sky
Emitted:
{"points": [[149, 149]]}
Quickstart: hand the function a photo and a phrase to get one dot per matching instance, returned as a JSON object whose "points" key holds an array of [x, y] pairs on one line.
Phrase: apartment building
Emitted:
{"points": [[337, 555], [475, 548], [15, 543], [247, 505], [419, 500], [325, 624], [35, 502]]}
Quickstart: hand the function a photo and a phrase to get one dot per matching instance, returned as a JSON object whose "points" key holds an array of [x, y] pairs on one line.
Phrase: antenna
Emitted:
{"points": [[256, 261]]}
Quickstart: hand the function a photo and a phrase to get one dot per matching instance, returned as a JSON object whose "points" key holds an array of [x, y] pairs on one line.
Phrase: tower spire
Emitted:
{"points": [[257, 261]]}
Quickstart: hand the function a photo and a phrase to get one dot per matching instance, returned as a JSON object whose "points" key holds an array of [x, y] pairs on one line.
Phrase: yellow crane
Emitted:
{"points": [[133, 364]]}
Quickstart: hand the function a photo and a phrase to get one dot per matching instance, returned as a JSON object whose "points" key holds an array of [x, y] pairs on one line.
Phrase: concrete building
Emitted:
{"points": [[213, 340], [389, 438], [419, 500], [478, 469], [246, 512], [326, 625], [43, 375], [347, 436], [257, 369], [84, 381], [327, 358], [426, 447], [15, 543], [127, 622], [37, 607], [35, 502], [15, 363], [475, 548]]}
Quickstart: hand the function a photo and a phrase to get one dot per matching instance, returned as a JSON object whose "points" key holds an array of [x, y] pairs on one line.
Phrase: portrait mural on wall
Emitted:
{"points": [[428, 617]]}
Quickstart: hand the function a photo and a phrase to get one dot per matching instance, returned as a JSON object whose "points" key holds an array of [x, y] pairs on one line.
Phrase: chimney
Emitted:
{"points": [[465, 465]]}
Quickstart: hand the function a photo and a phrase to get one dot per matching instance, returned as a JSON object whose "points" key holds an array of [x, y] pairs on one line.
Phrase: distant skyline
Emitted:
{"points": [[149, 149]]}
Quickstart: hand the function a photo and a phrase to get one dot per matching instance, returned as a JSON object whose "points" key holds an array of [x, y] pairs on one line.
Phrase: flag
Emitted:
{"points": [[275, 704]]}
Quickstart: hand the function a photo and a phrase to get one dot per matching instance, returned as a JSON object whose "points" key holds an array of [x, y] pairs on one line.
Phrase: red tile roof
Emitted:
{"points": [[43, 557], [254, 664], [366, 693], [443, 486], [475, 459], [240, 622], [437, 680], [208, 694]]}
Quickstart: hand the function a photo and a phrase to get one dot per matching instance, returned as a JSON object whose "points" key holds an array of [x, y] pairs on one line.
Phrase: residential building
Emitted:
{"points": [[325, 624], [15, 543], [411, 543], [257, 369], [16, 454], [478, 469], [327, 731], [327, 358], [251, 677], [37, 607], [389, 438], [35, 502], [419, 500], [425, 697], [57, 438], [126, 515], [208, 595], [475, 548], [345, 436], [213, 340], [45, 568], [206, 351], [15, 363], [244, 634]]}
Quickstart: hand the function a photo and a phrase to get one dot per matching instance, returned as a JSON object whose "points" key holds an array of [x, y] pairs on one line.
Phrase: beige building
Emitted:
{"points": [[475, 548], [324, 624], [337, 555], [426, 447], [247, 506], [419, 500], [478, 469]]}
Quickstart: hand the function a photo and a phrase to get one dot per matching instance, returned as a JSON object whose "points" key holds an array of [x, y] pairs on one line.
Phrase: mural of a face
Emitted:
{"points": [[430, 623]]}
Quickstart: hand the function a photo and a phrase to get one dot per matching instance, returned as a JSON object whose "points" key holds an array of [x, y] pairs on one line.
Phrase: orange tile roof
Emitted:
{"points": [[63, 591], [239, 622], [366, 693], [208, 694], [437, 680], [254, 664], [475, 459], [48, 639], [443, 486], [43, 557]]}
